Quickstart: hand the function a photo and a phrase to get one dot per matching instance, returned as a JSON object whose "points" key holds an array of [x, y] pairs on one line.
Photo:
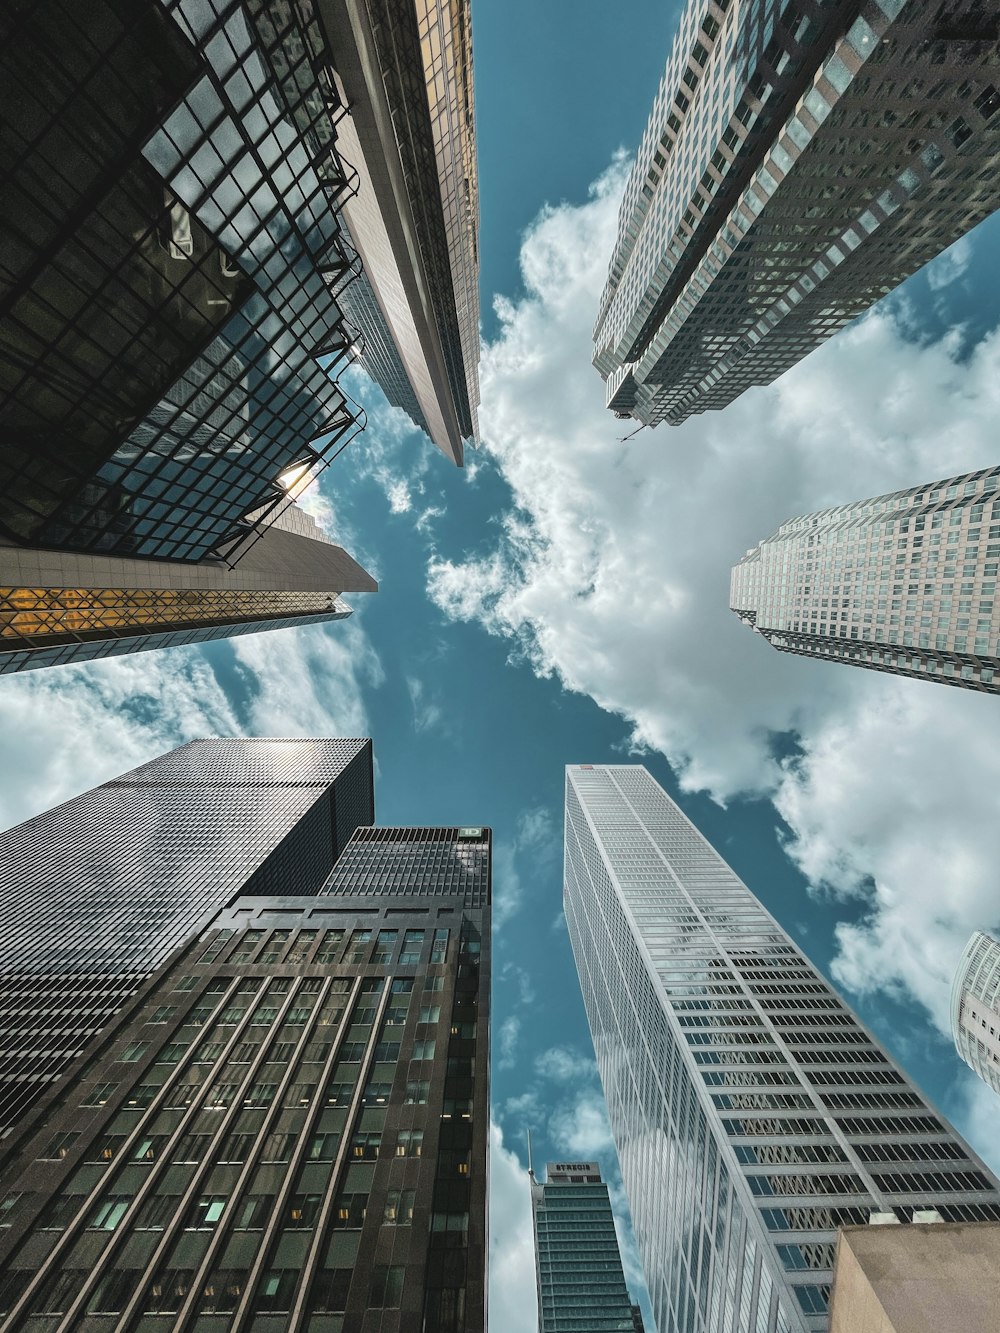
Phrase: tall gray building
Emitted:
{"points": [[975, 1007], [801, 159], [406, 70], [752, 1112], [578, 1266], [96, 893], [286, 1129], [904, 582]]}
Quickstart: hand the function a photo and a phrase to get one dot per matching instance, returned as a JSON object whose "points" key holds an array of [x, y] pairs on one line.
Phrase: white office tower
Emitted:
{"points": [[975, 1008], [752, 1112]]}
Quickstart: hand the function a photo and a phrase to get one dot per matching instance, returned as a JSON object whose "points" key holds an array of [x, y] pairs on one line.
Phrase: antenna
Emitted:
{"points": [[531, 1172], [622, 439]]}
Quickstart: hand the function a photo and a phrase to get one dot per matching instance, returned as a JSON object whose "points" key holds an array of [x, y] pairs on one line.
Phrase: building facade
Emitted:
{"points": [[406, 70], [60, 606], [975, 1007], [752, 1111], [97, 893], [287, 1128], [799, 162], [904, 583], [172, 246], [923, 1279], [578, 1267]]}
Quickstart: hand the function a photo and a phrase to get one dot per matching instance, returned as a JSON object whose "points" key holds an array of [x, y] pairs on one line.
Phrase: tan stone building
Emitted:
{"points": [[917, 1279]]}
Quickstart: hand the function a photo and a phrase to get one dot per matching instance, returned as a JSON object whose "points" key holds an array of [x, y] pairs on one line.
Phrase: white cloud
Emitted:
{"points": [[949, 265], [564, 1065], [579, 1126], [506, 1044], [513, 1306], [69, 728], [611, 572], [399, 496]]}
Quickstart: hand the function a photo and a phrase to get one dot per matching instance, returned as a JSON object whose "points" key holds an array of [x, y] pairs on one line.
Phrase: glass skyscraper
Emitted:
{"points": [[578, 1266], [975, 1007], [752, 1111], [286, 1129], [406, 68], [903, 583], [802, 157], [97, 893]]}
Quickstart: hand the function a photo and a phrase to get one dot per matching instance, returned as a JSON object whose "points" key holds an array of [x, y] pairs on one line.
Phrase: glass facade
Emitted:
{"points": [[975, 1008], [904, 583], [98, 892], [286, 1129], [752, 1112], [800, 160], [581, 1285], [170, 237]]}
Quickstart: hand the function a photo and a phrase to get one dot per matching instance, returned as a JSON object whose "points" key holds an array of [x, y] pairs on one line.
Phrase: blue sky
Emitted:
{"points": [[564, 599]]}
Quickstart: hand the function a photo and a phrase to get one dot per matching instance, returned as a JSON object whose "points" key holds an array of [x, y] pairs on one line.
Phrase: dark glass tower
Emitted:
{"points": [[752, 1111], [172, 253], [286, 1129], [96, 894], [802, 157], [578, 1266]]}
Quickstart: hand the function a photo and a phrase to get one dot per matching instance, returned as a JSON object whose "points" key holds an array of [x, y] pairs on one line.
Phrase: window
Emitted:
{"points": [[109, 1212], [365, 1144], [430, 1013], [387, 1287], [424, 1050], [329, 1291], [276, 1290], [302, 1212], [99, 1094], [398, 1208], [206, 1212], [349, 1211], [416, 1092], [410, 1143], [59, 1147], [254, 1212], [164, 1012], [134, 1051]]}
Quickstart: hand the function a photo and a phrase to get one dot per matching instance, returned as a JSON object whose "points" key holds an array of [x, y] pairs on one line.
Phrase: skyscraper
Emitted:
{"points": [[97, 893], [903, 583], [173, 253], [578, 1266], [406, 70], [752, 1112], [287, 1127], [799, 162], [60, 606], [975, 1007]]}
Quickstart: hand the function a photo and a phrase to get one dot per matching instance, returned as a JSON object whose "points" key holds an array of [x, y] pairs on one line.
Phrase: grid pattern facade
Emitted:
{"points": [[425, 56], [903, 583], [802, 158], [376, 349], [581, 1285], [452, 861], [98, 892], [752, 1112], [49, 626], [975, 1008], [287, 1130], [170, 229]]}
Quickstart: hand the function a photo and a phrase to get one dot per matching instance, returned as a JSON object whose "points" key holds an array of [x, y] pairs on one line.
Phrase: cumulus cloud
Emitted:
{"points": [[513, 1306], [69, 728], [610, 571]]}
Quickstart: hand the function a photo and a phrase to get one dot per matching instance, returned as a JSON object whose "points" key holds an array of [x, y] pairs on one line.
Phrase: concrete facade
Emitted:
{"points": [[904, 583], [938, 1278]]}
